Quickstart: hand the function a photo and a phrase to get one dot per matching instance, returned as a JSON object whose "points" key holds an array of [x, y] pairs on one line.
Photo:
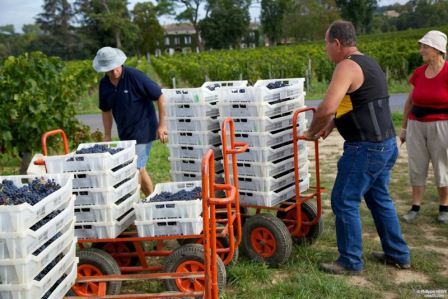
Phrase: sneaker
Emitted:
{"points": [[335, 268], [443, 217], [382, 258], [410, 216]]}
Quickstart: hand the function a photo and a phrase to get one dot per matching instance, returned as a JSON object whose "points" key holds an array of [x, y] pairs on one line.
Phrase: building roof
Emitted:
{"points": [[179, 28]]}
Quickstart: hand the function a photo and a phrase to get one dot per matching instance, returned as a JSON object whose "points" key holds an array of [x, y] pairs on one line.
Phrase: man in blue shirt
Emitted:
{"points": [[126, 95]]}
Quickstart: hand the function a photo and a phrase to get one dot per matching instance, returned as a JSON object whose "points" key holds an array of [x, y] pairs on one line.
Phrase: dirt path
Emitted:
{"points": [[330, 151]]}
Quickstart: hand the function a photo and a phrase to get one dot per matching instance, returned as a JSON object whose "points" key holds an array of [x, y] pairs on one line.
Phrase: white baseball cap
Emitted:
{"points": [[435, 39], [108, 58]]}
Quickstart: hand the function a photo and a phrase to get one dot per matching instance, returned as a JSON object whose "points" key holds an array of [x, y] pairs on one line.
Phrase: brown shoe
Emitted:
{"points": [[383, 258], [335, 268]]}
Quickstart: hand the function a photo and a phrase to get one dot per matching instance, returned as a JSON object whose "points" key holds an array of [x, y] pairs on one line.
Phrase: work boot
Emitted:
{"points": [[410, 216], [335, 268], [443, 217], [383, 258]]}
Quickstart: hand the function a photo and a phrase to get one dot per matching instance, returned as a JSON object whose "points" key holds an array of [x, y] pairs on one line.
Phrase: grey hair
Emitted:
{"points": [[343, 31]]}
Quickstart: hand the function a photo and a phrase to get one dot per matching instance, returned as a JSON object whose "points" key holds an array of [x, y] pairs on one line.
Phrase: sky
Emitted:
{"points": [[19, 12]]}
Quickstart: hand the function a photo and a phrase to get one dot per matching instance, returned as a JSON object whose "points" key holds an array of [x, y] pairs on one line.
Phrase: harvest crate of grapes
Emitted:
{"points": [[105, 178], [17, 216], [18, 245], [279, 90], [54, 284], [97, 156], [19, 271], [107, 212], [243, 102], [171, 200], [107, 195]]}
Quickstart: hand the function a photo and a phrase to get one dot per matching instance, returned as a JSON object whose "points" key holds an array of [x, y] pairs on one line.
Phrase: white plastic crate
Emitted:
{"points": [[192, 124], [145, 211], [106, 213], [268, 154], [241, 94], [20, 244], [221, 84], [258, 109], [266, 139], [106, 178], [104, 230], [107, 195], [268, 169], [189, 95], [91, 162], [267, 184], [193, 151], [19, 271], [194, 138], [265, 123], [270, 199], [19, 218], [192, 109], [191, 165], [293, 89], [180, 176], [36, 289], [169, 227]]}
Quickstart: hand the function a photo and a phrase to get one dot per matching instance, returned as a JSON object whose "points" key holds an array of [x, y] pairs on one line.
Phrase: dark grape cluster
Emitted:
{"points": [[56, 284], [121, 166], [212, 87], [276, 84], [123, 198], [44, 220], [180, 195], [46, 244], [99, 148], [48, 268], [30, 193]]}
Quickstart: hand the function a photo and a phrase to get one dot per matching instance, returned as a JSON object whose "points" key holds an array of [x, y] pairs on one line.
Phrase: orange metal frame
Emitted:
{"points": [[299, 198], [208, 238]]}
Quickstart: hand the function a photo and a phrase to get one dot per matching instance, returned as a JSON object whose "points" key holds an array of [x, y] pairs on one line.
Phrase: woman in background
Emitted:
{"points": [[425, 124]]}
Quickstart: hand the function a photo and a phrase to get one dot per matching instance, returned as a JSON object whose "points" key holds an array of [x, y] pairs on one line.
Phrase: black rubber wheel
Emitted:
{"points": [[266, 239], [93, 261], [190, 258], [309, 234], [120, 247], [221, 242]]}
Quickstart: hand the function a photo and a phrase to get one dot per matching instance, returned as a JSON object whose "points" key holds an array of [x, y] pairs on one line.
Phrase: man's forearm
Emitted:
{"points": [[107, 124], [320, 122], [161, 108]]}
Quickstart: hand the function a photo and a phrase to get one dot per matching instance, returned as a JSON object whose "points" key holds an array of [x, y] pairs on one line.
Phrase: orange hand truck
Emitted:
{"points": [[267, 237], [192, 270]]}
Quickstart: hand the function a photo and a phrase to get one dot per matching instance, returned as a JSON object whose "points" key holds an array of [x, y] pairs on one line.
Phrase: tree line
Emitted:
{"points": [[76, 29]]}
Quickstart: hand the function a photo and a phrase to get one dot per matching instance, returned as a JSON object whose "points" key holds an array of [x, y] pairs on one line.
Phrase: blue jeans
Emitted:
{"points": [[364, 171]]}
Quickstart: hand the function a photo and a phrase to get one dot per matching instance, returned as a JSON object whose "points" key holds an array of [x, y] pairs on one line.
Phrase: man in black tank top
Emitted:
{"points": [[357, 104]]}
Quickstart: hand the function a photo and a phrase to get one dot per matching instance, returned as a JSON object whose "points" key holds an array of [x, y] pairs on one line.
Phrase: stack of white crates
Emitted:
{"points": [[37, 243], [193, 128], [106, 186], [169, 218], [263, 119]]}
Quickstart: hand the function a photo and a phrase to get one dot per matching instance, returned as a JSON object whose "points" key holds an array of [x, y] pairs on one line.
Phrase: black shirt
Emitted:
{"points": [[131, 104], [364, 114]]}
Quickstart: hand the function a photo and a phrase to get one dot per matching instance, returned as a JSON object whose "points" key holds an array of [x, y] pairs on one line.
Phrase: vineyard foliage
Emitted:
{"points": [[397, 53], [38, 93]]}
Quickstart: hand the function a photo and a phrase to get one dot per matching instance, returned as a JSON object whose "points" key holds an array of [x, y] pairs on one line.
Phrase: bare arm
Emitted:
{"points": [[406, 109], [345, 77], [162, 130], [107, 124]]}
